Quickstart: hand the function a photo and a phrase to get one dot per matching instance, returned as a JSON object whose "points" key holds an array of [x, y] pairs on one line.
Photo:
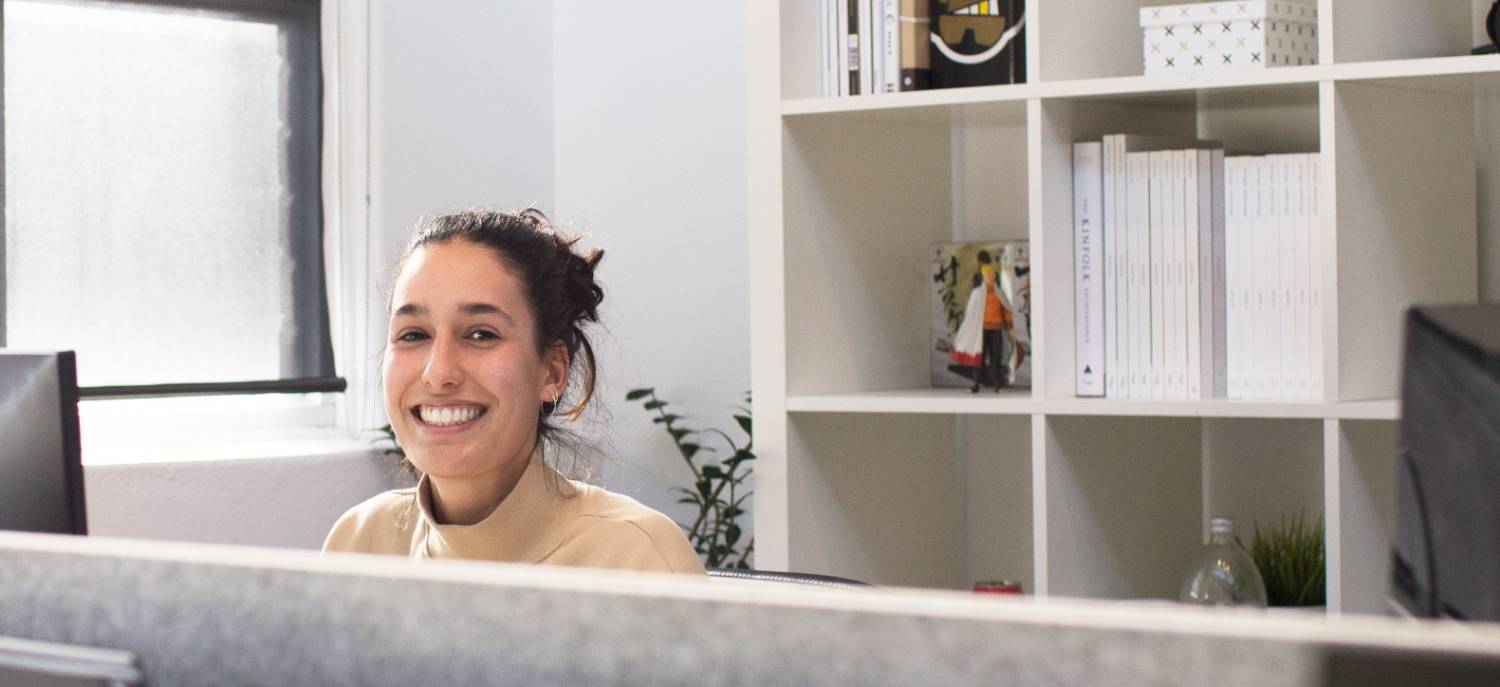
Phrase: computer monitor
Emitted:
{"points": [[41, 470], [30, 663], [1446, 553]]}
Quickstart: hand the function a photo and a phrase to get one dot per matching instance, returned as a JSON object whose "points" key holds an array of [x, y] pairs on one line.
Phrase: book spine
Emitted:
{"points": [[1139, 307], [824, 34], [1168, 235], [1272, 280], [1260, 237], [1286, 279], [1157, 242], [1088, 284], [1214, 283], [866, 52], [1176, 332], [872, 35], [1301, 339], [1233, 292], [1316, 284], [849, 21], [1250, 202], [1177, 336], [1236, 251], [1194, 268], [1113, 253], [891, 44]]}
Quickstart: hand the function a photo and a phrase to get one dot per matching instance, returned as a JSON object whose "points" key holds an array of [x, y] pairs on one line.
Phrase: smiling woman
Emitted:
{"points": [[486, 337]]}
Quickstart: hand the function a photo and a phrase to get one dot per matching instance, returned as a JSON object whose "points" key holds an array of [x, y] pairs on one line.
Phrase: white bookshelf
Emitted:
{"points": [[866, 472]]}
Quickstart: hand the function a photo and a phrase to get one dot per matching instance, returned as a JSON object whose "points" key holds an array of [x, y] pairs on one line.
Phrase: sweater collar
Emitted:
{"points": [[524, 528]]}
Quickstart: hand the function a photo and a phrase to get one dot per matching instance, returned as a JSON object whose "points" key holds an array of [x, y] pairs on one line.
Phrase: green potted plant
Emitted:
{"points": [[718, 490], [1290, 558]]}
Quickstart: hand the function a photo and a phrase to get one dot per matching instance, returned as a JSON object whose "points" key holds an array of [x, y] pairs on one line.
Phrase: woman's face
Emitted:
{"points": [[463, 380]]}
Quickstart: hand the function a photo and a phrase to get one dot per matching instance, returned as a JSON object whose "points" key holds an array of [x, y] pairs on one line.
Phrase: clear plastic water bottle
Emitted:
{"points": [[1224, 575]]}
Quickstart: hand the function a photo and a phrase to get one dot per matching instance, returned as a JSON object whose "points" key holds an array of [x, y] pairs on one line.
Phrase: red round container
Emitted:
{"points": [[997, 587]]}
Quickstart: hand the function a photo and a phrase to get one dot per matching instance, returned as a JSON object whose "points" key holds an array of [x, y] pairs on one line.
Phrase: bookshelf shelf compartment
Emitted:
{"points": [[866, 509], [1123, 506], [868, 472], [873, 196]]}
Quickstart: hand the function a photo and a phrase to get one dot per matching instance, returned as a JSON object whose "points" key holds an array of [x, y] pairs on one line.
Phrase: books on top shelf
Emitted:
{"points": [[1195, 275], [887, 46]]}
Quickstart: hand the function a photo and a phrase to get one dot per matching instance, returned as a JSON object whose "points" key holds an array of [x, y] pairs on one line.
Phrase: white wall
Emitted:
{"points": [[461, 108], [650, 133], [460, 116], [287, 501]]}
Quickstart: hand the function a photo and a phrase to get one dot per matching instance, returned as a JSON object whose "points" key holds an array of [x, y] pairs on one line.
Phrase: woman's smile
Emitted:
{"points": [[448, 415]]}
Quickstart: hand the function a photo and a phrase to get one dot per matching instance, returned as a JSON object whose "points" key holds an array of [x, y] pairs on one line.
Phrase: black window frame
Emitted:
{"points": [[308, 362]]}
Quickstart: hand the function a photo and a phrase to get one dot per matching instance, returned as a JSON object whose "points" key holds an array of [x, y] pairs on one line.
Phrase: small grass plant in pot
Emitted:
{"points": [[1290, 557], [719, 491]]}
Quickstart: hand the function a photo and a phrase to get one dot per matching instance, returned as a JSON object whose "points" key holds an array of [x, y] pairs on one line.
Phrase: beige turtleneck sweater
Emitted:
{"points": [[561, 523]]}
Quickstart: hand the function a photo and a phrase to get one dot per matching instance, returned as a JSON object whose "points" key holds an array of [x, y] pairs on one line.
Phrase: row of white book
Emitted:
{"points": [[1196, 275], [862, 44]]}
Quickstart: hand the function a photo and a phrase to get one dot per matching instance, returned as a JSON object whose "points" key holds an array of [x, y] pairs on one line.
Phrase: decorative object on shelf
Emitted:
{"points": [[998, 587], [717, 487], [981, 315], [1225, 574], [1241, 34], [1492, 27], [1492, 22], [978, 43], [1290, 559]]}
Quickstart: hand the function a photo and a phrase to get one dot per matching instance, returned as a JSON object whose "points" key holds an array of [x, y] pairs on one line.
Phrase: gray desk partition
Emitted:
{"points": [[198, 614]]}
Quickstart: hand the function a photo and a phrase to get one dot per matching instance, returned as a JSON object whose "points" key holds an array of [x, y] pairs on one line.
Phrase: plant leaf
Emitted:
{"points": [[744, 421], [688, 450], [638, 394], [653, 405]]}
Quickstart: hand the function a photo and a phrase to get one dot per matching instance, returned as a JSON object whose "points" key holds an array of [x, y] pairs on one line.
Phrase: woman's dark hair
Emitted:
{"points": [[557, 282]]}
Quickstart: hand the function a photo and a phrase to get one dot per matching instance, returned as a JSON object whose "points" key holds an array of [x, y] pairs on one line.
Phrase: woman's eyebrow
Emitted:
{"points": [[415, 310], [486, 309]]}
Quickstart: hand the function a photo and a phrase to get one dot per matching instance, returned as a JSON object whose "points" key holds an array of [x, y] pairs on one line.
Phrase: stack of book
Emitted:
{"points": [[888, 46], [1196, 276]]}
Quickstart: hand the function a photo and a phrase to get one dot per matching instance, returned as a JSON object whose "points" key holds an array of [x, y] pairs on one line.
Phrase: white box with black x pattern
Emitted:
{"points": [[1239, 34]]}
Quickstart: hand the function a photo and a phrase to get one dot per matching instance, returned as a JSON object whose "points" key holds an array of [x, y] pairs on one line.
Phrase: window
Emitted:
{"points": [[163, 211]]}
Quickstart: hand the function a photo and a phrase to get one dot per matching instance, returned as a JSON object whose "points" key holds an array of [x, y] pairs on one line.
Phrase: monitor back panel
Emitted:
{"points": [[41, 477]]}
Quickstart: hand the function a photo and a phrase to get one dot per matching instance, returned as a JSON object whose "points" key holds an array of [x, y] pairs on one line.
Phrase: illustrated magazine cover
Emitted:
{"points": [[981, 315]]}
